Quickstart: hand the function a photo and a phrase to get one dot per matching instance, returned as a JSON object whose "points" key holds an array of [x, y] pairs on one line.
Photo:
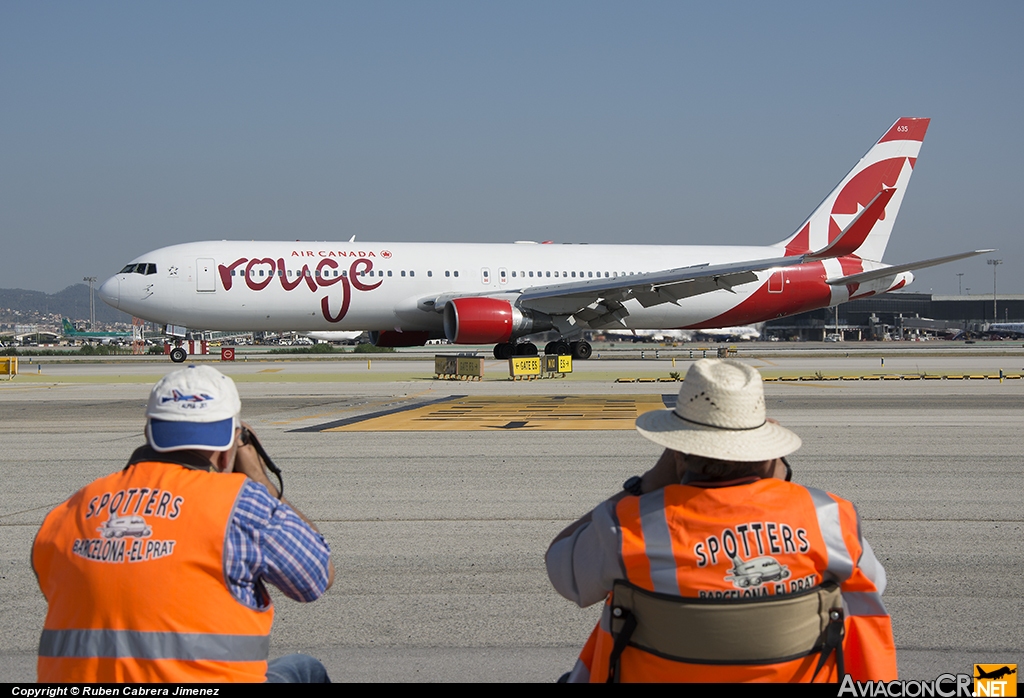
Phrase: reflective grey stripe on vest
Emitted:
{"points": [[658, 543], [151, 645], [840, 566], [579, 674], [863, 603]]}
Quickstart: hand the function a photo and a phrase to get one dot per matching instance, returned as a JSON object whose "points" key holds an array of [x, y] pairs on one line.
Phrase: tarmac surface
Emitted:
{"points": [[439, 534]]}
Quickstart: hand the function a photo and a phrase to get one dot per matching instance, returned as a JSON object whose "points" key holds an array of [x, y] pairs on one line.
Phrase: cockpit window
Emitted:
{"points": [[144, 268]]}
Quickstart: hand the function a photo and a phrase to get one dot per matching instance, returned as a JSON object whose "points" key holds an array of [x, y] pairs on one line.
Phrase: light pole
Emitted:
{"points": [[960, 282], [92, 302], [995, 265]]}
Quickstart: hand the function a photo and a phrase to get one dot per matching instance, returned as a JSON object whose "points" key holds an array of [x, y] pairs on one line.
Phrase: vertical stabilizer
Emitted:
{"points": [[888, 164]]}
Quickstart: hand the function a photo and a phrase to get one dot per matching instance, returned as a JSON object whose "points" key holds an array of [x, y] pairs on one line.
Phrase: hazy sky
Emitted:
{"points": [[127, 126]]}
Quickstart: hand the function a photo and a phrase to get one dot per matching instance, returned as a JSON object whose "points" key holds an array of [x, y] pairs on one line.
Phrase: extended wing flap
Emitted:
{"points": [[650, 289], [670, 293]]}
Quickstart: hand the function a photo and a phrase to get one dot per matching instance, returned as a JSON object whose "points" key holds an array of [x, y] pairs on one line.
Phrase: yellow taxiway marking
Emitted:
{"points": [[270, 370], [509, 413]]}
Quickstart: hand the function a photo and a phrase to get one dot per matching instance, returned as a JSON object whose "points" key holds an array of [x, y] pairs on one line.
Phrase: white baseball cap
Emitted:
{"points": [[720, 414], [193, 408]]}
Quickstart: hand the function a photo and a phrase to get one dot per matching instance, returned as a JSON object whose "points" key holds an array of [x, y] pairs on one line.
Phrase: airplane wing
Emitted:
{"points": [[598, 303], [650, 289], [896, 269]]}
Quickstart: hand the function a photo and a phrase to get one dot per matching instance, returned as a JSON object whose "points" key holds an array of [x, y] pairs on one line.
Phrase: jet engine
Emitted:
{"points": [[489, 320]]}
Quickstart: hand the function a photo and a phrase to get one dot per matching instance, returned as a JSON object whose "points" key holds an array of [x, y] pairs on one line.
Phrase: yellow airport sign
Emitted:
{"points": [[524, 366]]}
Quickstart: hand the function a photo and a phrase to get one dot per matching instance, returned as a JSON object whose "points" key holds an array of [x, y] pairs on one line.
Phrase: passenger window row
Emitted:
{"points": [[332, 272], [573, 275], [326, 273], [151, 269]]}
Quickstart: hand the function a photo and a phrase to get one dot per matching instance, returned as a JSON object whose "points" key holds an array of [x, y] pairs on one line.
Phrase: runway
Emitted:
{"points": [[439, 534]]}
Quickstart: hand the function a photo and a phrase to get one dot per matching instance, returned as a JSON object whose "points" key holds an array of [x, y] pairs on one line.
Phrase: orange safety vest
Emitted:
{"points": [[757, 539], [132, 569]]}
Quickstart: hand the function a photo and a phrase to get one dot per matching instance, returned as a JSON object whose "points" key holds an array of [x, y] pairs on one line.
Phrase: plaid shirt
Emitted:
{"points": [[267, 541]]}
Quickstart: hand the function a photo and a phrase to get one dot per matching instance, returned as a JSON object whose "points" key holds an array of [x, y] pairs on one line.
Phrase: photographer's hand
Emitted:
{"points": [[249, 463]]}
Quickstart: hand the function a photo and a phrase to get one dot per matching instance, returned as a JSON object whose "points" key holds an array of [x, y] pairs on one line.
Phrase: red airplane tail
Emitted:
{"points": [[884, 170]]}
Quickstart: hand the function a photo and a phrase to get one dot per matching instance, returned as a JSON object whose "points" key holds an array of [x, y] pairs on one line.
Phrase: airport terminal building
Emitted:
{"points": [[900, 315]]}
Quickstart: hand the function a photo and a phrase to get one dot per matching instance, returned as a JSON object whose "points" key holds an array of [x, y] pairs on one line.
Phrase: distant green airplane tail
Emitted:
{"points": [[69, 329]]}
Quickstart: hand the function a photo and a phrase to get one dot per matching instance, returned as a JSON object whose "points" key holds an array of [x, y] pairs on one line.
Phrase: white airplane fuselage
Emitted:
{"points": [[476, 293], [255, 285]]}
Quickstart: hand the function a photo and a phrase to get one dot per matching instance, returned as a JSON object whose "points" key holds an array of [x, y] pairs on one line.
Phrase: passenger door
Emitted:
{"points": [[206, 276]]}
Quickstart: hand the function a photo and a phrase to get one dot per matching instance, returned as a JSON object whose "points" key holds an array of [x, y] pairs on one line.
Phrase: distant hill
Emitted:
{"points": [[72, 302]]}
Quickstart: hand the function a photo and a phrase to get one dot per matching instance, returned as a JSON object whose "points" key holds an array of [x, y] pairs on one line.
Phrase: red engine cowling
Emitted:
{"points": [[390, 338], [479, 321]]}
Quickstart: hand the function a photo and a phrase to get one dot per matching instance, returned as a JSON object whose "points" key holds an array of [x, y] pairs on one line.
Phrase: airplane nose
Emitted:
{"points": [[110, 292]]}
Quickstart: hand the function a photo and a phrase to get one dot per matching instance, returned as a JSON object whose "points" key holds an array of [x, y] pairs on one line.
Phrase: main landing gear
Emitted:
{"points": [[507, 351], [578, 350]]}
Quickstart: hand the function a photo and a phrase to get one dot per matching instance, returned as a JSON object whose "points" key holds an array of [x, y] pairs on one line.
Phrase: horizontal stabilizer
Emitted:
{"points": [[899, 268]]}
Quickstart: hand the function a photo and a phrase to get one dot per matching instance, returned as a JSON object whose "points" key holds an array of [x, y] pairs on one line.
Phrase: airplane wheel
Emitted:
{"points": [[582, 350], [549, 348], [526, 349], [504, 351], [561, 348], [178, 355]]}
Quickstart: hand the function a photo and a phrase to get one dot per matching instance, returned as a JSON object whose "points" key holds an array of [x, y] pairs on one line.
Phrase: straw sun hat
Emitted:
{"points": [[720, 414]]}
